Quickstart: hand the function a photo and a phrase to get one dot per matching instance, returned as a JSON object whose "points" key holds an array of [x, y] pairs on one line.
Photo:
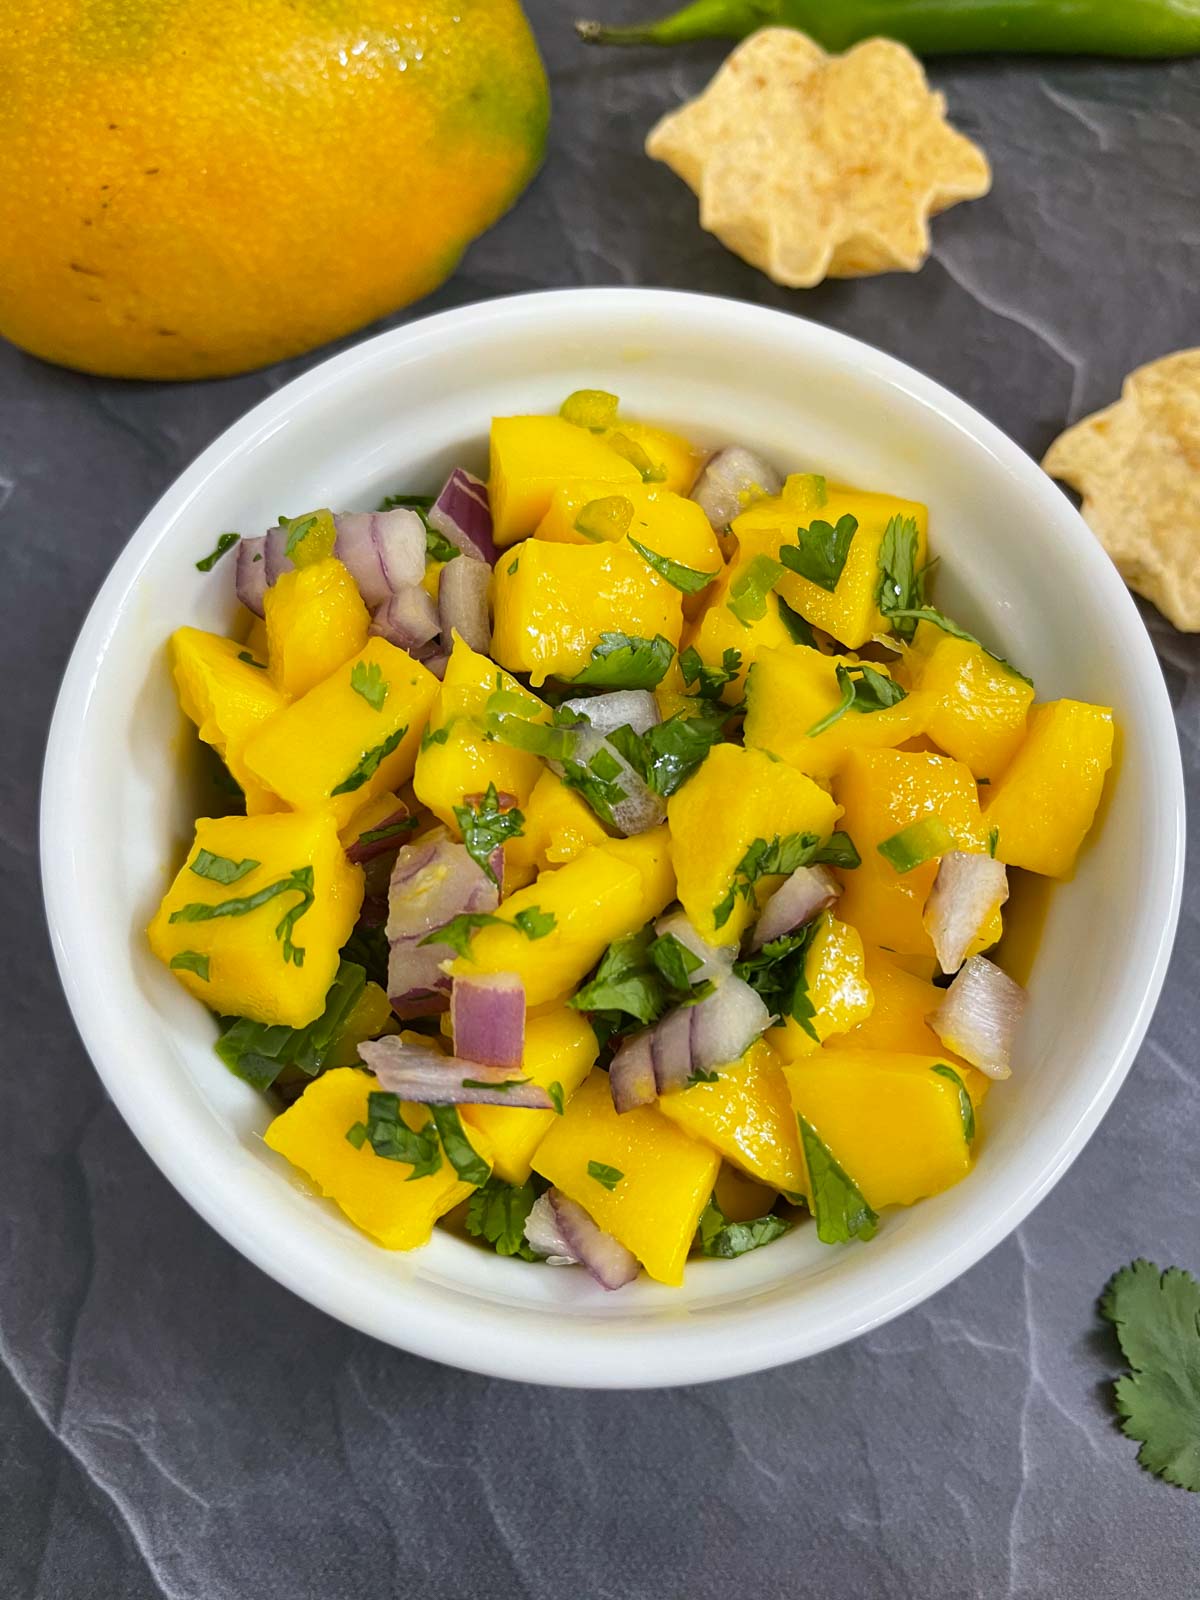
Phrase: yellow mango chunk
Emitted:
{"points": [[851, 613], [336, 747], [666, 1177], [838, 990], [606, 892], [897, 1022], [1046, 800], [316, 620], [882, 791], [742, 1199], [735, 797], [553, 601], [243, 965], [227, 696], [976, 709], [370, 1018], [370, 815], [531, 457], [792, 690], [675, 458], [560, 1048], [376, 1194], [455, 758], [891, 1122], [747, 1116], [717, 628], [256, 639], [559, 825], [662, 520]]}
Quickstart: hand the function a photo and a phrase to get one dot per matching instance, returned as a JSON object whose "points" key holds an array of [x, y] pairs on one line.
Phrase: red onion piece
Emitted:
{"points": [[978, 1019], [797, 900], [434, 879], [631, 1076], [733, 479], [716, 961], [275, 557], [408, 619], [364, 850], [544, 1235], [437, 664], [671, 1050], [422, 1073], [487, 1019], [967, 890], [382, 550], [251, 579], [641, 808], [462, 514], [713, 1033], [605, 1258], [463, 603], [632, 708], [417, 986]]}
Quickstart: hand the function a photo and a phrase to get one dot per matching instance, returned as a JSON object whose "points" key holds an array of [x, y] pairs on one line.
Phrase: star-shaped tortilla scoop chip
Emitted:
{"points": [[812, 166], [1137, 467]]}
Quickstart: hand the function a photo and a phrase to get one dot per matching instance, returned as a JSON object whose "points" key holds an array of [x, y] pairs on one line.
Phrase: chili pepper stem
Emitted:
{"points": [[702, 19]]}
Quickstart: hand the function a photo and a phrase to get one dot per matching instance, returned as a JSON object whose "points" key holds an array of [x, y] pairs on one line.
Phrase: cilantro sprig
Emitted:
{"points": [[709, 681], [727, 1240], [820, 551], [1157, 1318], [901, 585], [390, 1137], [627, 661], [864, 689], [496, 1213]]}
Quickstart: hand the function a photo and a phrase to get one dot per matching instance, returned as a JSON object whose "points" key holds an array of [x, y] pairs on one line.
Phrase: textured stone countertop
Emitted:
{"points": [[173, 1423]]}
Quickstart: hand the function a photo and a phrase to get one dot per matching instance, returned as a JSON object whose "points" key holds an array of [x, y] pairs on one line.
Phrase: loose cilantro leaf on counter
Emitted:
{"points": [[190, 961], [225, 542], [391, 1137], [765, 859], [836, 1202], [368, 764], [257, 1052], [496, 1213], [221, 869], [685, 578], [864, 689], [777, 973], [965, 1109], [820, 551], [301, 880], [460, 1152], [720, 1237], [367, 680], [749, 590], [939, 619], [1157, 1318], [485, 826], [610, 1177], [709, 681], [627, 661]]}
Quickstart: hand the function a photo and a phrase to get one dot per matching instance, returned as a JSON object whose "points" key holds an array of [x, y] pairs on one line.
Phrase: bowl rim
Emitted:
{"points": [[439, 1331]]}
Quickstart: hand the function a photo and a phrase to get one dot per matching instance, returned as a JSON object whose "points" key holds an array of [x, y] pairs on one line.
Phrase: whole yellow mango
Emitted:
{"points": [[202, 187]]}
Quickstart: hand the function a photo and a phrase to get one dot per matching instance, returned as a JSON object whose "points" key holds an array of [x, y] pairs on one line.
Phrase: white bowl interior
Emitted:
{"points": [[1016, 564]]}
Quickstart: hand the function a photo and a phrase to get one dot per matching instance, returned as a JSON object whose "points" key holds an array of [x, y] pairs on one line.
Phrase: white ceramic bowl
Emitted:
{"points": [[1018, 565]]}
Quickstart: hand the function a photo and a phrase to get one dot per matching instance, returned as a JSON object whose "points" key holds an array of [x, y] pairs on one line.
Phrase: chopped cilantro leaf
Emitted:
{"points": [[799, 628], [535, 923], [485, 826], [301, 880], [496, 1213], [555, 1091], [190, 961], [406, 502], [436, 735], [459, 931], [225, 542], [965, 1109], [674, 961], [244, 655], [709, 681], [835, 1200], [367, 680], [610, 1177], [390, 1136], [685, 578], [258, 1052], [438, 547], [940, 620], [627, 661], [368, 764], [221, 869], [1157, 1318], [820, 551], [389, 830], [778, 975], [673, 749], [699, 1075], [310, 538], [900, 583], [838, 851], [720, 1237], [460, 1152], [864, 689], [749, 590], [993, 841], [763, 859]]}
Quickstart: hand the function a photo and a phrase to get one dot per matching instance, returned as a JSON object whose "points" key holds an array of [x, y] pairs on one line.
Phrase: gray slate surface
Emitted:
{"points": [[172, 1423]]}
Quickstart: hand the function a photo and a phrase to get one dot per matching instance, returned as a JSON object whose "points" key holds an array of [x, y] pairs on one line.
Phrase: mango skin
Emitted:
{"points": [[891, 1122], [531, 457], [1045, 802], [737, 795], [227, 698], [551, 602], [307, 750], [746, 1116], [247, 975], [835, 968], [375, 1193], [316, 620], [561, 1048], [976, 710], [666, 1177]]}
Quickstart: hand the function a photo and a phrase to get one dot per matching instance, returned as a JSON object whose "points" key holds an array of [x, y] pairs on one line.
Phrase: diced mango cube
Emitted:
{"points": [[883, 791], [559, 825], [675, 458], [531, 457], [891, 1122], [1046, 800], [835, 972], [976, 708], [353, 736], [737, 796], [718, 627], [377, 1195], [665, 1180], [553, 601], [560, 1048], [316, 620], [284, 900], [226, 691], [747, 1116], [851, 613], [742, 1199], [792, 690], [662, 520]]}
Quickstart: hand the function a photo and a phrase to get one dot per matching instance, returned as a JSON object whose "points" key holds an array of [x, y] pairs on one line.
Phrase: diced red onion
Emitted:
{"points": [[462, 514], [437, 664], [733, 479], [797, 900], [633, 708], [382, 550], [364, 850], [608, 1261], [423, 1073], [417, 986], [543, 1234], [408, 619], [712, 1033], [979, 1016], [671, 1050], [716, 961], [434, 879], [275, 556], [463, 603], [487, 1019], [631, 1074], [641, 808], [251, 580], [967, 890]]}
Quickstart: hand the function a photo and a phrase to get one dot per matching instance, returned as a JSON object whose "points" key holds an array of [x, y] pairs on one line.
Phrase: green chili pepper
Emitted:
{"points": [[938, 27]]}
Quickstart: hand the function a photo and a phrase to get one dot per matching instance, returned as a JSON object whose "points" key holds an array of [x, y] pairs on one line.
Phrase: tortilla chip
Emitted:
{"points": [[812, 166], [1137, 467]]}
